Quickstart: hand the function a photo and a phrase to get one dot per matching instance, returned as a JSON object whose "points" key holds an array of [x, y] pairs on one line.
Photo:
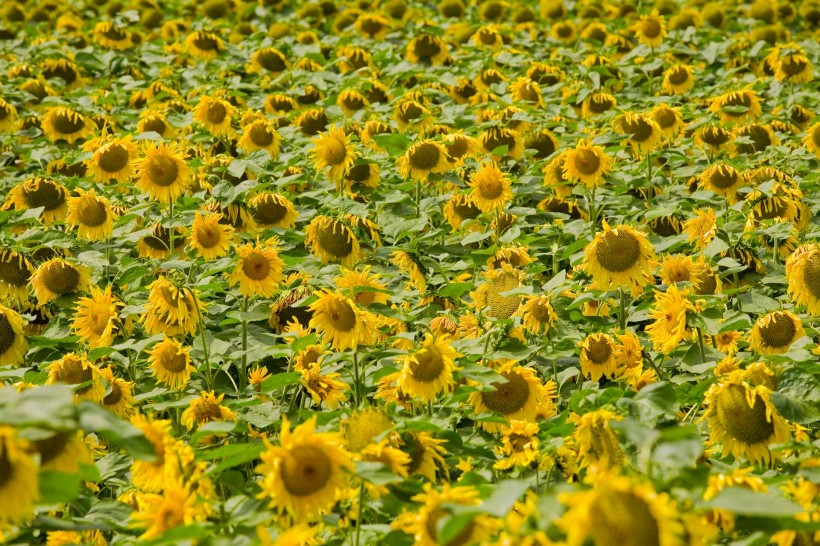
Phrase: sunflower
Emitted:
{"points": [[423, 159], [260, 135], [110, 37], [726, 342], [678, 79], [650, 29], [149, 475], [323, 387], [644, 133], [204, 45], [96, 318], [598, 445], [742, 418], [423, 524], [754, 138], [362, 286], [73, 369], [669, 314], [40, 192], [171, 363], [790, 64], [270, 59], [668, 119], [113, 160], [491, 189], [702, 229], [332, 241], [619, 257], [215, 115], [410, 265], [722, 179], [61, 123], [428, 372], [163, 173], [273, 210], [812, 139], [155, 122], [157, 244], [681, 268], [519, 446], [160, 513], [15, 272], [411, 114], [208, 407], [775, 332], [13, 343], [210, 238], [92, 213], [713, 137], [500, 142], [428, 49], [490, 293], [333, 149], [8, 117], [598, 356], [517, 398], [70, 538], [537, 314], [19, 484], [341, 321], [586, 163], [57, 277], [258, 270], [118, 398], [620, 510], [306, 474], [737, 106], [171, 310], [803, 275], [564, 31]]}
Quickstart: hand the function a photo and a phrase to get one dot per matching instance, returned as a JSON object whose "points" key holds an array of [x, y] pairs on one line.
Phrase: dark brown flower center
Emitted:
{"points": [[678, 75], [271, 60], [743, 423], [811, 274], [7, 334], [113, 158], [424, 156], [779, 331], [91, 212], [13, 270], [67, 122], [622, 517], [793, 65], [508, 397], [431, 526], [216, 112], [162, 170], [427, 365], [598, 350], [205, 42], [256, 266], [44, 193], [651, 27], [586, 161], [306, 470], [618, 251], [114, 395], [334, 239], [426, 46], [260, 134], [60, 277], [723, 177], [51, 448], [341, 316]]}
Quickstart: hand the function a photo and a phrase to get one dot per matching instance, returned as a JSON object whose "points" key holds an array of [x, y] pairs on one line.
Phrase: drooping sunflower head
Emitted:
{"points": [[668, 119], [644, 133], [775, 332], [215, 114], [74, 369], [13, 343], [489, 293], [737, 105], [619, 257], [111, 37], [502, 141], [15, 272], [332, 241], [678, 79], [537, 314], [204, 44], [460, 208], [428, 372], [754, 138], [812, 139], [803, 274], [428, 49], [41, 192], [171, 363], [342, 322], [713, 137], [163, 173], [270, 59], [597, 103]]}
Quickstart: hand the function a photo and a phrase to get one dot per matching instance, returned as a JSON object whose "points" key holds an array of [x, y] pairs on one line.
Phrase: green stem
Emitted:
{"points": [[359, 516], [702, 349], [171, 229], [593, 210], [201, 325], [418, 198], [648, 169], [622, 314], [356, 385], [243, 371]]}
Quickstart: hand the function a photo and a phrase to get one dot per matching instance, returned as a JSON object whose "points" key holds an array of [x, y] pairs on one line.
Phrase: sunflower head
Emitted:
{"points": [[332, 241], [491, 188], [619, 257], [775, 332], [586, 163], [163, 173], [423, 159]]}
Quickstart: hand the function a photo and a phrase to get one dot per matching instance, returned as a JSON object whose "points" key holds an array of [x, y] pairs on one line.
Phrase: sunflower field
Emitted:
{"points": [[392, 272]]}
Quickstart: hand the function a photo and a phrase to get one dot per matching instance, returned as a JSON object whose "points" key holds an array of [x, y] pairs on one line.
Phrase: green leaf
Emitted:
{"points": [[456, 289], [504, 495], [59, 487], [248, 453], [743, 501], [94, 418], [50, 407], [795, 410], [279, 380]]}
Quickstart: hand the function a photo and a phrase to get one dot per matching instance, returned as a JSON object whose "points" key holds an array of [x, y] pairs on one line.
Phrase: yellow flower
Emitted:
{"points": [[93, 215], [8, 117], [325, 388], [204, 45], [270, 59], [491, 188], [342, 323], [701, 229], [597, 443], [57, 277], [171, 363], [409, 265], [358, 284], [519, 445], [678, 79], [40, 192], [723, 180], [13, 343], [496, 139], [644, 133], [113, 160], [742, 418], [426, 453], [215, 115], [669, 314], [260, 135], [273, 210], [158, 514], [15, 273], [332, 241], [171, 310], [726, 342], [537, 314], [19, 486], [620, 511], [150, 475], [210, 238], [812, 139], [423, 159], [163, 173], [803, 275], [208, 407], [426, 48], [650, 29], [775, 332], [598, 356], [258, 271], [111, 37], [363, 426], [60, 123], [587, 163], [619, 258], [490, 293], [516, 399], [305, 475], [737, 106], [333, 149], [73, 369], [118, 399], [428, 372], [96, 317], [668, 119]]}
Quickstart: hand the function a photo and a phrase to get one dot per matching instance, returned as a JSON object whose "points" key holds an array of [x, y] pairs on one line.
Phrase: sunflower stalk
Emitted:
{"points": [[702, 348], [359, 514], [356, 383], [201, 325], [170, 228], [622, 308], [244, 369]]}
